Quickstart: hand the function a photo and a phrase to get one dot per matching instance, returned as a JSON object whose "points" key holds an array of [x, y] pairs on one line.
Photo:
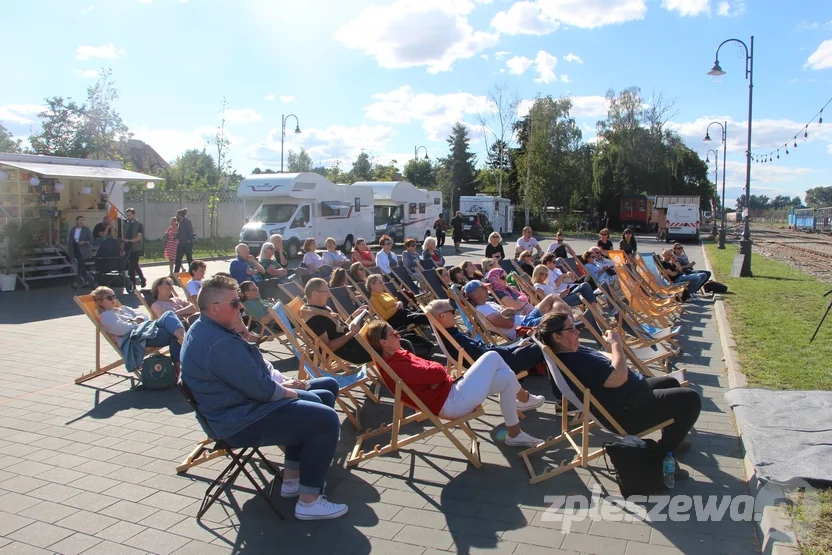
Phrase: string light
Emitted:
{"points": [[775, 154]]}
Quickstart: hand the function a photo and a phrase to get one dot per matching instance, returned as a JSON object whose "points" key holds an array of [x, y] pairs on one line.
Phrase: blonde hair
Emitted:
{"points": [[308, 243], [331, 240], [371, 280], [495, 235], [538, 270], [430, 242], [98, 294], [487, 264]]}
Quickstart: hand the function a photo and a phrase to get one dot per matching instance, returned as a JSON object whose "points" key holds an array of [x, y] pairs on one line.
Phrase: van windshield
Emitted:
{"points": [[273, 213], [388, 214]]}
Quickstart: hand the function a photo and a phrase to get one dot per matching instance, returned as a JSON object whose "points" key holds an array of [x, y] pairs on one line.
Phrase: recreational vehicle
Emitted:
{"points": [[302, 205], [401, 210], [499, 210]]}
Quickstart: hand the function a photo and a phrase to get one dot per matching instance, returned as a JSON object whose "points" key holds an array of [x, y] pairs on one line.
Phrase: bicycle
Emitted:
{"points": [[661, 235]]}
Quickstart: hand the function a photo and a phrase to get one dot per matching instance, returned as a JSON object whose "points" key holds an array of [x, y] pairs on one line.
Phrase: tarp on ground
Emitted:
{"points": [[786, 434]]}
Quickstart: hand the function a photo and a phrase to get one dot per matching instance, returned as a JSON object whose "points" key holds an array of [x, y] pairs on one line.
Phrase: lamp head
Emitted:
{"points": [[707, 138], [716, 71], [297, 128], [426, 157], [708, 159]]}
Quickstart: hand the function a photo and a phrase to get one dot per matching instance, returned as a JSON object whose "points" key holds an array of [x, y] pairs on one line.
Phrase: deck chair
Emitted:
{"points": [[87, 305], [145, 298], [400, 274], [434, 284], [427, 265], [293, 289], [646, 266], [403, 397], [646, 334], [346, 303], [477, 323], [240, 460], [590, 409], [619, 257], [181, 280], [347, 383]]}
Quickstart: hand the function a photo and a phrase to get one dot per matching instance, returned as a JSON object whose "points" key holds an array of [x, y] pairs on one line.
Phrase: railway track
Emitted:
{"points": [[814, 259]]}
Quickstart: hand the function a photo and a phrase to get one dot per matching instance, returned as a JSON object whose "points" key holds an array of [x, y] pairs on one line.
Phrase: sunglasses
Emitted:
{"points": [[234, 304], [394, 333], [605, 235], [108, 298]]}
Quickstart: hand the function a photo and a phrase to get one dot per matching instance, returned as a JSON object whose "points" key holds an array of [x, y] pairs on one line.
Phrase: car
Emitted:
{"points": [[476, 227]]}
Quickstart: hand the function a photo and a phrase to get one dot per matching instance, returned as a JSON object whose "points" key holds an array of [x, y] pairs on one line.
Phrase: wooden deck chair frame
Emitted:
{"points": [[427, 278], [643, 336], [637, 342], [620, 299], [487, 333], [182, 279], [577, 437], [343, 309], [641, 302], [87, 305], [400, 275], [421, 414], [646, 288], [651, 277]]}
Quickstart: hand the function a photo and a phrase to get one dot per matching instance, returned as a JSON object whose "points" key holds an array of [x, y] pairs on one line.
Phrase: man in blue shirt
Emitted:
{"points": [[246, 267], [247, 403]]}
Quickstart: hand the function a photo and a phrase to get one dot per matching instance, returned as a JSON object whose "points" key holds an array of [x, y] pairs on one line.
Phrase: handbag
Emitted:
{"points": [[715, 287], [637, 465], [158, 372]]}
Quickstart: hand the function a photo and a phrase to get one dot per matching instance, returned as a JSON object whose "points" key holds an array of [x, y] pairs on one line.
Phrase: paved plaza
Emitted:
{"points": [[91, 468]]}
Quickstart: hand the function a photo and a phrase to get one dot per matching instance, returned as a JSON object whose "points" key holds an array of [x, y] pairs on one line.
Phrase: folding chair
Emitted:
{"points": [[292, 288], [619, 257], [239, 462], [590, 409], [345, 302], [403, 397], [480, 327], [427, 265], [400, 274], [434, 284], [644, 333], [181, 280], [87, 305], [145, 298]]}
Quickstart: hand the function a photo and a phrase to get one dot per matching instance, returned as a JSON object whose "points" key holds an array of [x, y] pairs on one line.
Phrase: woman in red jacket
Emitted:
{"points": [[449, 398]]}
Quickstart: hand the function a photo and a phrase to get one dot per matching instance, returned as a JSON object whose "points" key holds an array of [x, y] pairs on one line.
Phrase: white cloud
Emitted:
{"points": [[484, 56], [412, 33], [88, 9], [109, 51], [438, 113], [724, 8], [590, 107], [87, 73], [573, 58], [564, 78], [242, 115], [822, 57], [286, 99], [20, 113], [502, 54], [269, 97], [518, 65], [170, 143], [688, 7], [540, 17], [544, 66]]}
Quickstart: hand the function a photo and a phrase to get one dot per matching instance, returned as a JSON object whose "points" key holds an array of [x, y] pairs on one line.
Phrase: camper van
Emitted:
{"points": [[682, 222], [302, 205], [401, 210], [499, 210]]}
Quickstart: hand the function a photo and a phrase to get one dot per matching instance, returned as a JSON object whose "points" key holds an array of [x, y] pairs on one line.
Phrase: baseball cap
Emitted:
{"points": [[472, 286]]}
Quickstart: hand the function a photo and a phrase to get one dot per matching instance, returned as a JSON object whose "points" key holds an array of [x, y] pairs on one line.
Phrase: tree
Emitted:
{"points": [[819, 197], [7, 142], [193, 170], [497, 126], [385, 173], [90, 130], [299, 162], [362, 168], [460, 166], [420, 173], [335, 174]]}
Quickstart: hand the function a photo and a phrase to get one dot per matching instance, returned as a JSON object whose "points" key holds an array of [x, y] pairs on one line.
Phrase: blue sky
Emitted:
{"points": [[386, 76]]}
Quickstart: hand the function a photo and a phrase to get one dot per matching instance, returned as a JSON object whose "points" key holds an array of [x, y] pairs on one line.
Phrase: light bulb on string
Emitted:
{"points": [[778, 153], [820, 119]]}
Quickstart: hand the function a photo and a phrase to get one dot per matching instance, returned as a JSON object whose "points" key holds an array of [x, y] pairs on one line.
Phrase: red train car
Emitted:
{"points": [[637, 212]]}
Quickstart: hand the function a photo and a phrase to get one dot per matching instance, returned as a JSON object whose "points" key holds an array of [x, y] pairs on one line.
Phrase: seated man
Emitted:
{"points": [[247, 403], [686, 264], [328, 325], [506, 320], [517, 357], [197, 270], [635, 402], [674, 271], [527, 243], [246, 266]]}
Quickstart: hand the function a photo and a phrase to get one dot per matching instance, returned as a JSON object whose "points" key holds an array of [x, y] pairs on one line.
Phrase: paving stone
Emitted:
{"points": [[18, 548], [120, 531], [86, 522], [12, 502], [166, 500], [200, 548], [74, 544], [40, 534], [47, 511], [54, 492], [11, 522], [162, 520], [599, 545], [130, 492], [90, 501], [543, 537], [157, 541], [111, 548], [22, 484]]}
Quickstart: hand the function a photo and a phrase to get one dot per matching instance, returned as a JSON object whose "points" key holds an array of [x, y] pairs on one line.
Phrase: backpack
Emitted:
{"points": [[158, 372], [715, 287], [637, 465]]}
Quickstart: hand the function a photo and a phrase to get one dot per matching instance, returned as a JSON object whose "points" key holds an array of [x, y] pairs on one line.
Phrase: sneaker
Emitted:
{"points": [[522, 440], [291, 488], [559, 409], [535, 401], [320, 509]]}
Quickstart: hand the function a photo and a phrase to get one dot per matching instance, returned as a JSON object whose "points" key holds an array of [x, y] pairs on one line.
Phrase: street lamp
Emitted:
{"points": [[416, 152], [716, 71], [283, 134], [724, 128], [716, 177]]}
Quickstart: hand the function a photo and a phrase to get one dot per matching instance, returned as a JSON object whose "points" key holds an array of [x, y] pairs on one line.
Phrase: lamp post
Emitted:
{"points": [[716, 71], [716, 176], [416, 158], [724, 128], [283, 134]]}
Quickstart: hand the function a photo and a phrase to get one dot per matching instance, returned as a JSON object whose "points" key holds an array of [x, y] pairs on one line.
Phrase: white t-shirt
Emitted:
{"points": [[490, 308], [553, 247], [554, 274], [77, 234], [527, 245], [312, 261], [547, 289], [193, 287]]}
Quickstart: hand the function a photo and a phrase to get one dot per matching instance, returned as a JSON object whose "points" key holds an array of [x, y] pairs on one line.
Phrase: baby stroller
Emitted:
{"points": [[111, 265]]}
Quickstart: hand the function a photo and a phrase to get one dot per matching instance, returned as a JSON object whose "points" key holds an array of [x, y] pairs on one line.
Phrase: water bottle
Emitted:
{"points": [[669, 469]]}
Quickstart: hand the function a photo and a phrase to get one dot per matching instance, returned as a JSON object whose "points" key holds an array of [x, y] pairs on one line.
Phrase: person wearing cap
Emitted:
{"points": [[505, 319]]}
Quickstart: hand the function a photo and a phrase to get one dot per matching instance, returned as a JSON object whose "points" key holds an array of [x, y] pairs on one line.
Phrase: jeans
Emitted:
{"points": [[133, 268], [403, 318], [324, 390], [166, 326], [666, 400], [521, 359], [533, 318], [487, 376], [183, 250], [440, 238], [307, 427], [584, 289], [692, 281]]}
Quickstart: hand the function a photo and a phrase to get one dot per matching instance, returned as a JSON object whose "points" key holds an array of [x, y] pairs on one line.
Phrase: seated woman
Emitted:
{"points": [[338, 278], [487, 264], [429, 252], [444, 275], [310, 257], [328, 325], [391, 309], [358, 272], [506, 294], [271, 267], [386, 258], [628, 244], [197, 270], [526, 262], [255, 306], [604, 242], [449, 398], [686, 264], [457, 276], [133, 331], [494, 248], [410, 260], [540, 280], [469, 271], [635, 402], [361, 254], [332, 256], [599, 268], [162, 291]]}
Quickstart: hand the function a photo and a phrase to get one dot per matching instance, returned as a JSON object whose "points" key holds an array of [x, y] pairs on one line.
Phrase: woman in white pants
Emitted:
{"points": [[449, 398]]}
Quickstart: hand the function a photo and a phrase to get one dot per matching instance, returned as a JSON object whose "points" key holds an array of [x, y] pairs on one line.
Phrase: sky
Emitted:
{"points": [[387, 76]]}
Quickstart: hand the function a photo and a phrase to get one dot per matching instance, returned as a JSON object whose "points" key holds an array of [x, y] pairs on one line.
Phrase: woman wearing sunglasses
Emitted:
{"points": [[506, 294], [133, 331], [604, 241]]}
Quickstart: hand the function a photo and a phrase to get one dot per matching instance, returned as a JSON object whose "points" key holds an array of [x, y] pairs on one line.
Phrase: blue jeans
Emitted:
{"points": [[584, 289], [166, 326], [532, 318], [307, 427], [692, 281]]}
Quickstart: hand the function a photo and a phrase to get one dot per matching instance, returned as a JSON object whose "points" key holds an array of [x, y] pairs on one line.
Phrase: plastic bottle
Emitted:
{"points": [[669, 470]]}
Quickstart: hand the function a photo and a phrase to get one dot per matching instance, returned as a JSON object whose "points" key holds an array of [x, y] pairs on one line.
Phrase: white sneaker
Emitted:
{"points": [[291, 488], [535, 401], [320, 509], [522, 440]]}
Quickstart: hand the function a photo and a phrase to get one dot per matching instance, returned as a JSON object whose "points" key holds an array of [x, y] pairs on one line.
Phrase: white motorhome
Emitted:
{"points": [[682, 222], [402, 210], [499, 210], [302, 205]]}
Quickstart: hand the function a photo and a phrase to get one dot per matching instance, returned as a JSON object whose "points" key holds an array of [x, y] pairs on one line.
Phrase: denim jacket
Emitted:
{"points": [[231, 382]]}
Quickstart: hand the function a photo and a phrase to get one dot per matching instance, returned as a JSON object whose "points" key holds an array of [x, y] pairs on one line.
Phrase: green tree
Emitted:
{"points": [[90, 130], [7, 142], [460, 165], [299, 162], [385, 173], [335, 174], [819, 197], [362, 168], [193, 170], [420, 173]]}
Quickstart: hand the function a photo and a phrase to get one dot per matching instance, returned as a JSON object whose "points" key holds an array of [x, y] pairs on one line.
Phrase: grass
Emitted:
{"points": [[814, 531], [773, 315], [154, 251]]}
